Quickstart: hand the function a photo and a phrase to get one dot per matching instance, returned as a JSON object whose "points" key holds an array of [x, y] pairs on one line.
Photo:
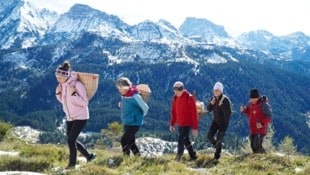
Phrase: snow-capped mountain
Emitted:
{"points": [[203, 30], [289, 47], [23, 25], [81, 18], [163, 32]]}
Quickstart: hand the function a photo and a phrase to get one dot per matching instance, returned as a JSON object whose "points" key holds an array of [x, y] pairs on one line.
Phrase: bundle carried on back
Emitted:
{"points": [[200, 106], [90, 81], [145, 91]]}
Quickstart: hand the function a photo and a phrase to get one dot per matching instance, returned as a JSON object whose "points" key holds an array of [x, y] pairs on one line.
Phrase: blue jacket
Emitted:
{"points": [[133, 109]]}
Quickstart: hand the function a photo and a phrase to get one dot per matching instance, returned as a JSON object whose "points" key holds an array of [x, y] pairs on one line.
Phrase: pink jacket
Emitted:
{"points": [[75, 105]]}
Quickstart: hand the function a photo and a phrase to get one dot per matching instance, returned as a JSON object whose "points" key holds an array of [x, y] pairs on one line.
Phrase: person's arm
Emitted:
{"points": [[58, 93], [210, 105], [173, 115], [78, 94], [142, 104]]}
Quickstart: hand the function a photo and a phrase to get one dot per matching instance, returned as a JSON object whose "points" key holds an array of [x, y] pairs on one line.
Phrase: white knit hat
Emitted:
{"points": [[218, 86]]}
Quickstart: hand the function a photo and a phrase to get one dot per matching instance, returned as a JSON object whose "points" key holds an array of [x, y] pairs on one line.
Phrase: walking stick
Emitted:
{"points": [[237, 139]]}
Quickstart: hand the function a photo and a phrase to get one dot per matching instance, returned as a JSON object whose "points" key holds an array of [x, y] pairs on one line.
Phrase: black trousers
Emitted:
{"points": [[257, 143], [74, 129], [128, 140], [220, 129], [183, 140]]}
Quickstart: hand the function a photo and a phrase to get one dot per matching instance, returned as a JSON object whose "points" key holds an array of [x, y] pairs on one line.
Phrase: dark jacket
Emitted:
{"points": [[184, 111], [221, 109]]}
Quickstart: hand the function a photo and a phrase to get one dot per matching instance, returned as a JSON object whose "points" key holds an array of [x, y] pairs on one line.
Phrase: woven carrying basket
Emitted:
{"points": [[145, 91], [90, 82]]}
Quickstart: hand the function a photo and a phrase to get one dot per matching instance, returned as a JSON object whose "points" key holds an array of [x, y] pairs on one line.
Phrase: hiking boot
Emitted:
{"points": [[137, 154], [70, 167], [92, 156], [193, 158], [178, 157], [215, 161]]}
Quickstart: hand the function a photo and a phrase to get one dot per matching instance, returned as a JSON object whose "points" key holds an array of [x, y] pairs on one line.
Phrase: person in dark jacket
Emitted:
{"points": [[133, 109], [184, 114], [221, 108], [259, 114]]}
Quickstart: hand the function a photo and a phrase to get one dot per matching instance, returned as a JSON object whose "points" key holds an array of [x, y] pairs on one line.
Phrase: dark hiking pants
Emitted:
{"points": [[74, 129], [220, 129], [184, 141], [257, 143], [128, 140]]}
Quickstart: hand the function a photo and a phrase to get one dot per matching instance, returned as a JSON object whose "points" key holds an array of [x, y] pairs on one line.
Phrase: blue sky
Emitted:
{"points": [[279, 17]]}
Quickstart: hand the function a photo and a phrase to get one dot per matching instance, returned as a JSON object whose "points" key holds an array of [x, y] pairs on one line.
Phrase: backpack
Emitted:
{"points": [[90, 82], [264, 100]]}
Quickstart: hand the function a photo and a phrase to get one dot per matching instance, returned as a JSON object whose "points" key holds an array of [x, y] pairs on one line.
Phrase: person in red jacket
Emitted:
{"points": [[184, 114], [259, 114]]}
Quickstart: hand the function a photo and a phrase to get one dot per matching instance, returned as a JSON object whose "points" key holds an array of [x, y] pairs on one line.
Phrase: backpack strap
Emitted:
{"points": [[221, 101]]}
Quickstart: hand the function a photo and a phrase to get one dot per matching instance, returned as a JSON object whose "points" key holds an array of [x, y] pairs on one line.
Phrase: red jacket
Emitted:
{"points": [[256, 114], [184, 111]]}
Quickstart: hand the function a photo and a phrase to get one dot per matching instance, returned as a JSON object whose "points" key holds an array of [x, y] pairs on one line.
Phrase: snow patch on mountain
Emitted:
{"points": [[216, 59], [307, 115]]}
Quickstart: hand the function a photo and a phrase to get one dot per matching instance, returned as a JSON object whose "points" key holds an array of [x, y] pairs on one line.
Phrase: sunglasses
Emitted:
{"points": [[63, 73], [178, 88]]}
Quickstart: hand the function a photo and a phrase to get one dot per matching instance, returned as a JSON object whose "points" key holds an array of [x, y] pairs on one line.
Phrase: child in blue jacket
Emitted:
{"points": [[133, 109]]}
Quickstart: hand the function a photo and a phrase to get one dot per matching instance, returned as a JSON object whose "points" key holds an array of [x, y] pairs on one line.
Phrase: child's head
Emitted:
{"points": [[123, 84]]}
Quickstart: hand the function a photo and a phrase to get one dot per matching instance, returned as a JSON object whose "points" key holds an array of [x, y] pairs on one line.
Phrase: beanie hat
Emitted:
{"points": [[218, 86], [254, 93], [63, 70]]}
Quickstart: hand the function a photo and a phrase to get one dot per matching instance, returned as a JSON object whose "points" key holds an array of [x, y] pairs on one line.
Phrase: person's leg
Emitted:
{"points": [[219, 140], [132, 140], [74, 130], [125, 141], [72, 154], [188, 144], [80, 124], [180, 150], [211, 133], [260, 140], [255, 143]]}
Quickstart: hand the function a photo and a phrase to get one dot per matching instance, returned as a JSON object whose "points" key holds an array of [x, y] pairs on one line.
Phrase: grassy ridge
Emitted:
{"points": [[49, 159]]}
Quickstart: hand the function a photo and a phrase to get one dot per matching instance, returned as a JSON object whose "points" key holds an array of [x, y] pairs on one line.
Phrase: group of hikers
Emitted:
{"points": [[71, 93]]}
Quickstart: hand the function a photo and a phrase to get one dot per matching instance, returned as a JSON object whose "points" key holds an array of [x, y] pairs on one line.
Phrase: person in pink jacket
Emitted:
{"points": [[71, 93]]}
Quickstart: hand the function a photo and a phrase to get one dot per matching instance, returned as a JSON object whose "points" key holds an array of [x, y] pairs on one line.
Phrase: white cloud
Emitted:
{"points": [[279, 17]]}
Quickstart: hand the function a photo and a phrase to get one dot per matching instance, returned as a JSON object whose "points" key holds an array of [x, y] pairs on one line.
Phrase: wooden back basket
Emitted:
{"points": [[90, 82], [145, 91]]}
